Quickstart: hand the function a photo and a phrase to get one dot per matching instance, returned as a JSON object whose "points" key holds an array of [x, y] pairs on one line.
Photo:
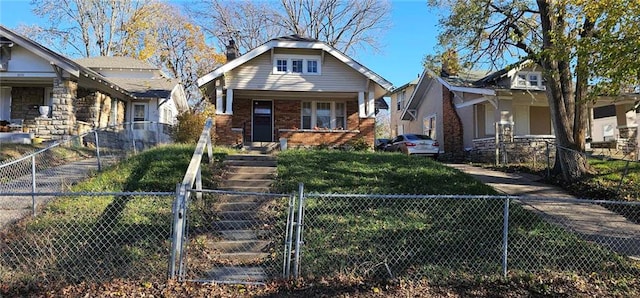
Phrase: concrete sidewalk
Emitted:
{"points": [[592, 222], [55, 179]]}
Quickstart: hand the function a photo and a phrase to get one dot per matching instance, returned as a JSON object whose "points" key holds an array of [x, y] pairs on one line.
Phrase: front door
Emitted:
{"points": [[262, 121]]}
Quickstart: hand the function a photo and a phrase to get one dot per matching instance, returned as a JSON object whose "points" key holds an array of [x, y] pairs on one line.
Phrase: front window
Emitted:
{"points": [[429, 126], [296, 65], [528, 79], [139, 115], [323, 115], [300, 64], [281, 65], [312, 66]]}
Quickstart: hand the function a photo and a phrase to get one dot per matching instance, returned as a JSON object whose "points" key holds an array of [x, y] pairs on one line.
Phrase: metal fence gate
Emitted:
{"points": [[236, 237]]}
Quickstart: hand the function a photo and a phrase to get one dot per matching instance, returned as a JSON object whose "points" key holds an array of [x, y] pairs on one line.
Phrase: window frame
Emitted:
{"points": [[289, 64], [523, 80], [333, 122]]}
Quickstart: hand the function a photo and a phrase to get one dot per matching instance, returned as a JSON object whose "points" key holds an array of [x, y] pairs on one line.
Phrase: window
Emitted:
{"points": [[300, 64], [323, 115], [139, 115], [527, 79], [429, 126], [312, 66], [281, 65], [401, 96], [296, 65]]}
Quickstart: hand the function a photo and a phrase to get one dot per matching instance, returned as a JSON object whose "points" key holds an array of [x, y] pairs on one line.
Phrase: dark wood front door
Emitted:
{"points": [[262, 121]]}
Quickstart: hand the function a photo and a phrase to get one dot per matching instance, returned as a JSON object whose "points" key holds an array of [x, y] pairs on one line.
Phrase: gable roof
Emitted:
{"points": [[294, 42]]}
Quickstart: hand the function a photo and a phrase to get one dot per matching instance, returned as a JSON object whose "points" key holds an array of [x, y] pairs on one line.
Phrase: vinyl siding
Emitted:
{"points": [[257, 74]]}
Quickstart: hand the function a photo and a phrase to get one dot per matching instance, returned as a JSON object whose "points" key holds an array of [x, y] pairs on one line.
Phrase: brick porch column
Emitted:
{"points": [[224, 134], [368, 130]]}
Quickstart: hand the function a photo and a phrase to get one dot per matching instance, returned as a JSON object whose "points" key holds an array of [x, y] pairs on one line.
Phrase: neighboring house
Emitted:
{"points": [[398, 100], [463, 112], [51, 97], [295, 89]]}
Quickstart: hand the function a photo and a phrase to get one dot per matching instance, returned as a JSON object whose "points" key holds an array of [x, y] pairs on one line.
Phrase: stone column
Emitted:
{"points": [[63, 113]]}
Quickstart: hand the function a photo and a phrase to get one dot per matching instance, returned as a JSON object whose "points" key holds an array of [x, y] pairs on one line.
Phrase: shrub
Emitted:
{"points": [[190, 125], [359, 144]]}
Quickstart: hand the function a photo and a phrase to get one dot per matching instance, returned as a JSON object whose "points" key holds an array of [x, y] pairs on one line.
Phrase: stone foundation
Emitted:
{"points": [[523, 149]]}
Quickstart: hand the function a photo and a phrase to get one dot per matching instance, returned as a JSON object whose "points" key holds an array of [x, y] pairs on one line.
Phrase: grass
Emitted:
{"points": [[438, 238], [79, 238], [55, 156]]}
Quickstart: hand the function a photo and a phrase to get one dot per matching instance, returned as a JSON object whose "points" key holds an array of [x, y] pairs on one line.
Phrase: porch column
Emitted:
{"points": [[371, 104], [229, 110], [219, 104], [361, 105], [63, 114], [626, 119]]}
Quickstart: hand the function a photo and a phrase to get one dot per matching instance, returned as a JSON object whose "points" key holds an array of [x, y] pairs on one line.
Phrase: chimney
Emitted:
{"points": [[232, 50]]}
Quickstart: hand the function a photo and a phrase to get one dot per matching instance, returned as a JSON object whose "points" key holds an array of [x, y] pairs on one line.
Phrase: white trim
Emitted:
{"points": [[361, 108], [472, 102], [219, 98], [333, 116], [290, 58], [229, 108], [294, 45]]}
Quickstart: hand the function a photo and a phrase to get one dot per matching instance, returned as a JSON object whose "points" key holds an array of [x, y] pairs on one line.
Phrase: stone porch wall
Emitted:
{"points": [[531, 149]]}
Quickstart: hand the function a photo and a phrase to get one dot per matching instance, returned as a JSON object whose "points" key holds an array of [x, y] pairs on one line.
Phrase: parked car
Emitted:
{"points": [[381, 144], [414, 144]]}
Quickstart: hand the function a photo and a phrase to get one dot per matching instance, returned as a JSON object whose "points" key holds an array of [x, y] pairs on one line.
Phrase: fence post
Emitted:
{"points": [[199, 183], [548, 161], [505, 236], [33, 184], [296, 259], [95, 134], [177, 230]]}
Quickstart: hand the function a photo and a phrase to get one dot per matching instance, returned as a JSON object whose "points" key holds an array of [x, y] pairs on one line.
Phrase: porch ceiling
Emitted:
{"points": [[266, 94]]}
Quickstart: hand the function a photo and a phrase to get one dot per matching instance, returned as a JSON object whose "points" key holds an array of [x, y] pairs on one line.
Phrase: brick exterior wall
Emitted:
{"points": [[286, 117], [452, 129]]}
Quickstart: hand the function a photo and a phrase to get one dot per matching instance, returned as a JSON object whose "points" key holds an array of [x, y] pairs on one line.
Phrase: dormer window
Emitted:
{"points": [[300, 64], [528, 80]]}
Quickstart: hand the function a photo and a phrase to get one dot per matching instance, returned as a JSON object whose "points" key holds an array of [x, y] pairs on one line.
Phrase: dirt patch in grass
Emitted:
{"points": [[55, 156]]}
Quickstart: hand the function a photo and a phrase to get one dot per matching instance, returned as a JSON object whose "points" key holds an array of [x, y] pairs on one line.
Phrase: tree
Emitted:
{"points": [[172, 44], [345, 25], [90, 27], [584, 48]]}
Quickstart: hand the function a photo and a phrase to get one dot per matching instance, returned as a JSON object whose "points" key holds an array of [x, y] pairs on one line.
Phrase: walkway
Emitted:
{"points": [[592, 222], [13, 208]]}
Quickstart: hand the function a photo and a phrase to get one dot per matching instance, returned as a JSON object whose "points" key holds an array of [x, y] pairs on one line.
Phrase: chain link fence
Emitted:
{"points": [[238, 236], [89, 237], [442, 237], [61, 164]]}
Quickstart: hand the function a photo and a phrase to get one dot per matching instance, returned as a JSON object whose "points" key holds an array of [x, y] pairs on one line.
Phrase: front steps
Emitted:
{"points": [[243, 246]]}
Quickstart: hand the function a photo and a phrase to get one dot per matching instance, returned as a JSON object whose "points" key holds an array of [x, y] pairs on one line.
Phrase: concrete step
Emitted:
{"points": [[246, 189], [251, 170], [229, 225], [247, 183], [250, 163], [241, 246], [242, 256], [256, 157], [230, 235], [237, 273], [237, 215], [237, 206], [257, 176]]}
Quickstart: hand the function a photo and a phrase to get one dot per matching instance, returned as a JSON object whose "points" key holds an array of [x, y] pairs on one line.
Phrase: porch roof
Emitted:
{"points": [[60, 61], [294, 42]]}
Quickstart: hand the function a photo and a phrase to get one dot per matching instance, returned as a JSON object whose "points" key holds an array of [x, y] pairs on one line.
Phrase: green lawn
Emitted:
{"points": [[96, 238], [434, 238]]}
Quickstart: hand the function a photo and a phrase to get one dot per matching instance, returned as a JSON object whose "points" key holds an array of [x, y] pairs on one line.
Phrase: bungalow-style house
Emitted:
{"points": [[464, 112], [46, 95], [295, 90]]}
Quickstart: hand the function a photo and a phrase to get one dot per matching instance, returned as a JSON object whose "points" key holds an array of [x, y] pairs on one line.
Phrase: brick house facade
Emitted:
{"points": [[294, 89]]}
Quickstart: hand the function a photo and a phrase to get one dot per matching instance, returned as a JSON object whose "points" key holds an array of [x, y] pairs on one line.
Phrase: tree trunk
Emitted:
{"points": [[568, 109]]}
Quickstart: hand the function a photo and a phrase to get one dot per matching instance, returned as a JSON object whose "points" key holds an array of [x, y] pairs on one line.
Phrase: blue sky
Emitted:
{"points": [[411, 36]]}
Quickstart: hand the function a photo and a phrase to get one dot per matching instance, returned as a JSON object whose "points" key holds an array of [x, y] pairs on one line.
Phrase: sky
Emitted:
{"points": [[412, 35]]}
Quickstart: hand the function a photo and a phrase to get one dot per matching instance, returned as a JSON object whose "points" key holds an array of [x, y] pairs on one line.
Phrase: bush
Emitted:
{"points": [[359, 144], [190, 125]]}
